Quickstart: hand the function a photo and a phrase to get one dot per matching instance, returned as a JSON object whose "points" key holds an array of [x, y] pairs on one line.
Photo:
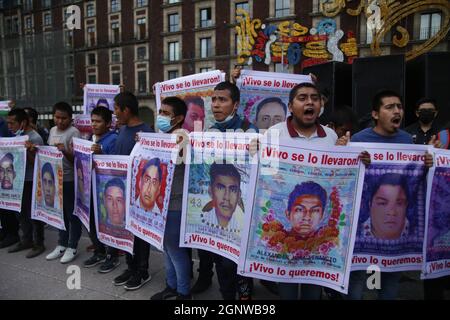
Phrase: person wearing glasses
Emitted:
{"points": [[150, 185]]}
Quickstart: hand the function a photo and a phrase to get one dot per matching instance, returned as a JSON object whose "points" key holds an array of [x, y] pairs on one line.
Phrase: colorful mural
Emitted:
{"points": [[384, 16], [290, 43]]}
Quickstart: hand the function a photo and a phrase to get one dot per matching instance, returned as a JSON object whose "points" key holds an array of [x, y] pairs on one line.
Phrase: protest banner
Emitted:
{"points": [[392, 217], [216, 192], [47, 202], [83, 123], [4, 108], [196, 91], [111, 201], [303, 221], [13, 157], [99, 95], [153, 164], [436, 247], [82, 171], [265, 96]]}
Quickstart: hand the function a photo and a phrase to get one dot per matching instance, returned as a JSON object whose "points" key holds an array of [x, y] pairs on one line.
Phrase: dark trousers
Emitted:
{"points": [[10, 223], [205, 270], [141, 253], [434, 288], [72, 234], [99, 248], [227, 276], [32, 230]]}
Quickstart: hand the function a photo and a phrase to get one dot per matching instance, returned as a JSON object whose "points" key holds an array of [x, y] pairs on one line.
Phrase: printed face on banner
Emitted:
{"points": [[83, 178], [99, 101], [215, 200], [195, 116], [149, 185], [264, 110], [302, 217], [392, 207], [7, 172], [111, 201], [49, 182], [438, 240]]}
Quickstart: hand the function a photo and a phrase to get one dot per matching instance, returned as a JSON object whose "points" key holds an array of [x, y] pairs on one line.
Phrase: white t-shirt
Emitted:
{"points": [[56, 136], [323, 136]]}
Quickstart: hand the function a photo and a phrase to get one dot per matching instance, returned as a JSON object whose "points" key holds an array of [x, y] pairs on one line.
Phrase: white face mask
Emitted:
{"points": [[227, 118]]}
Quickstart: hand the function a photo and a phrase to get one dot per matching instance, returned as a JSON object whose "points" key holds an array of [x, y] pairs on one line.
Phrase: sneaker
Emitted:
{"points": [[167, 293], [20, 247], [123, 278], [137, 280], [9, 241], [184, 297], [109, 265], [57, 253], [96, 259], [201, 285], [35, 251], [69, 255]]}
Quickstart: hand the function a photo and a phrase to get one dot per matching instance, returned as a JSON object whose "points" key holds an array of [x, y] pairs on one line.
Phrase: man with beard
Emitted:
{"points": [[426, 127]]}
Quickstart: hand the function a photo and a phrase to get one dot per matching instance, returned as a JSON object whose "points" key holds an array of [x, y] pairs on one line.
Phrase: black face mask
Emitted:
{"points": [[426, 116]]}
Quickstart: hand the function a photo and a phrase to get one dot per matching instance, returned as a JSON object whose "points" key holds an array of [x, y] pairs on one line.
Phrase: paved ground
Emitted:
{"points": [[35, 279]]}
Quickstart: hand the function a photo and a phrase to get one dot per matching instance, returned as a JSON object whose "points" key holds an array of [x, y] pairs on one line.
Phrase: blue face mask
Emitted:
{"points": [[163, 123]]}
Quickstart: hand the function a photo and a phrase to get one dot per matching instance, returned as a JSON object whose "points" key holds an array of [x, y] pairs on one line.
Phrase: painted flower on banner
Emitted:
{"points": [[249, 110]]}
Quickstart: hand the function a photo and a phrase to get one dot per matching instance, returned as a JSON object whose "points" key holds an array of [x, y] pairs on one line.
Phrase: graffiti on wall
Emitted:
{"points": [[384, 15], [291, 43]]}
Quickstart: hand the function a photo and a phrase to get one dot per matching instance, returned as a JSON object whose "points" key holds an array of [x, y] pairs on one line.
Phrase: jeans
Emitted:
{"points": [[389, 285], [177, 261], [72, 235], [31, 229], [289, 291]]}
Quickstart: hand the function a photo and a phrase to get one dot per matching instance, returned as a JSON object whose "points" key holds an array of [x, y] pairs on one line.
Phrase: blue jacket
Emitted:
{"points": [[108, 142], [235, 123]]}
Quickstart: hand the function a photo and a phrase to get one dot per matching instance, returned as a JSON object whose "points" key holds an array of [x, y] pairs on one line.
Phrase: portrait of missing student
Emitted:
{"points": [[7, 172], [195, 116], [150, 185], [51, 186], [216, 196], [302, 218], [83, 179], [438, 238], [111, 202], [392, 210], [264, 111]]}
